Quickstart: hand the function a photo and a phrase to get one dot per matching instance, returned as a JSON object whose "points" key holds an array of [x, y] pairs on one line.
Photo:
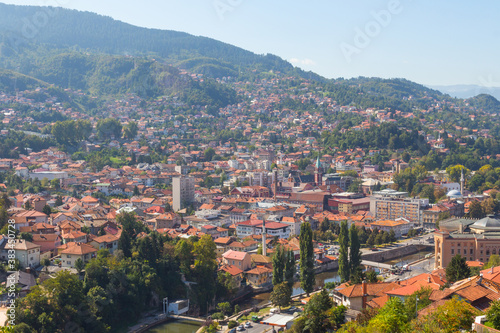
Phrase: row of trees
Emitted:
{"points": [[349, 252]]}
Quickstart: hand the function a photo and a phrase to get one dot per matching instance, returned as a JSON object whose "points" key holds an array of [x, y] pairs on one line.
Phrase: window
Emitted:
{"points": [[458, 251], [68, 256], [471, 259], [452, 251], [68, 262], [471, 251], [488, 252]]}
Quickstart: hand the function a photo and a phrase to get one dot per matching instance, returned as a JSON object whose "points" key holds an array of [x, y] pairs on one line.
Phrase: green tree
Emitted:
{"points": [[306, 258], [204, 271], [454, 316], [371, 276], [224, 307], [59, 201], [315, 312], [493, 314], [289, 268], [354, 250], [455, 172], [26, 236], [109, 127], [209, 153], [125, 244], [130, 130], [391, 318], [136, 191], [79, 265], [336, 316], [476, 210], [183, 252], [423, 301], [344, 268], [457, 269], [47, 210], [281, 295], [278, 265], [494, 261]]}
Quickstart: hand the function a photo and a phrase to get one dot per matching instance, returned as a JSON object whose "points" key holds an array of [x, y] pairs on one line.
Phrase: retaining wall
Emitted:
{"points": [[398, 252]]}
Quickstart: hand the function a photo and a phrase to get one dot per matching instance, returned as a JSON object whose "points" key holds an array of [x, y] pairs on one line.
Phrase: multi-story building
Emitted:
{"points": [[390, 204], [476, 241], [400, 227], [26, 252], [182, 192], [254, 227]]}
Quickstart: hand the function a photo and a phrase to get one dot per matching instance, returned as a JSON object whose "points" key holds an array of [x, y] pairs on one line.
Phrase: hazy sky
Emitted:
{"points": [[428, 41]]}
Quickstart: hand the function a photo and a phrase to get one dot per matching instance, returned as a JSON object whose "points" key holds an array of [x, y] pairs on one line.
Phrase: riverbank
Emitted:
{"points": [[260, 298]]}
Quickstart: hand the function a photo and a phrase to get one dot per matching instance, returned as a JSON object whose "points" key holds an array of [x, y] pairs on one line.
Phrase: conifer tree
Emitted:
{"points": [[344, 268], [306, 258]]}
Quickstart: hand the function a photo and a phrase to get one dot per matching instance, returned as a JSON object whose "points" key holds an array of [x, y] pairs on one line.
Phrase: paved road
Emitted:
{"points": [[256, 328], [425, 266]]}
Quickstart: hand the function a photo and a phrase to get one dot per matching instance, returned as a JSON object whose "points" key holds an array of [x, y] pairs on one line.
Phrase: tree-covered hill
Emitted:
{"points": [[88, 31], [485, 102], [95, 53], [10, 81]]}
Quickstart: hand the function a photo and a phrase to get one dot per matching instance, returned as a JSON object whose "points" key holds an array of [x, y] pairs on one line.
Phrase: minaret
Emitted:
{"points": [[462, 183], [318, 174], [264, 246]]}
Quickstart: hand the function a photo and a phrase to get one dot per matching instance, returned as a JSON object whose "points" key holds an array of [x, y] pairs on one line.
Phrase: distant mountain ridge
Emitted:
{"points": [[99, 55], [468, 90], [89, 31]]}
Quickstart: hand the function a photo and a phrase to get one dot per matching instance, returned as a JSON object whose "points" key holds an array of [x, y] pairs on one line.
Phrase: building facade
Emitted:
{"points": [[475, 242], [182, 192], [390, 205]]}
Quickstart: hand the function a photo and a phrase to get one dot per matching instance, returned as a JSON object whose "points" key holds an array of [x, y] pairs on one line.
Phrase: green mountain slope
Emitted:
{"points": [[82, 50], [486, 102], [87, 31]]}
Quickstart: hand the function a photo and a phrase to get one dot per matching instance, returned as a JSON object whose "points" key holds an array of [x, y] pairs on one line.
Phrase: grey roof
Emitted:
{"points": [[489, 223], [26, 280], [454, 223]]}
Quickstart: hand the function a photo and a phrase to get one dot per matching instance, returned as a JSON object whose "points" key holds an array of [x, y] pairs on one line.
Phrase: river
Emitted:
{"points": [[259, 299], [322, 278], [176, 326]]}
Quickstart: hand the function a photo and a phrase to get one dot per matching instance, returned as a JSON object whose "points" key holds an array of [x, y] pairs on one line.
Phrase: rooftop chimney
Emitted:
{"points": [[365, 294]]}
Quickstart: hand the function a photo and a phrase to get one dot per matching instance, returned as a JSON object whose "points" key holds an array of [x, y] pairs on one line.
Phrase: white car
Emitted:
{"points": [[240, 328], [248, 324]]}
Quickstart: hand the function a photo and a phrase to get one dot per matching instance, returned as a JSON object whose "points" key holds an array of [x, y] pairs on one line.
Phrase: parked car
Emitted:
{"points": [[240, 328], [233, 330], [255, 319], [248, 324]]}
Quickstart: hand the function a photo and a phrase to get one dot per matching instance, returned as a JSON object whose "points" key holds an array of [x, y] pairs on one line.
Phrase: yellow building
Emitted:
{"points": [[477, 242]]}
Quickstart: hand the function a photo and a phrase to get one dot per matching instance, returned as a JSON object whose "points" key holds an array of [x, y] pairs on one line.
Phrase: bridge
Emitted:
{"points": [[376, 264], [199, 320]]}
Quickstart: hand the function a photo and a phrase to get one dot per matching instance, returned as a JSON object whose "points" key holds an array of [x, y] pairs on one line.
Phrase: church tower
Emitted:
{"points": [[318, 173]]}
